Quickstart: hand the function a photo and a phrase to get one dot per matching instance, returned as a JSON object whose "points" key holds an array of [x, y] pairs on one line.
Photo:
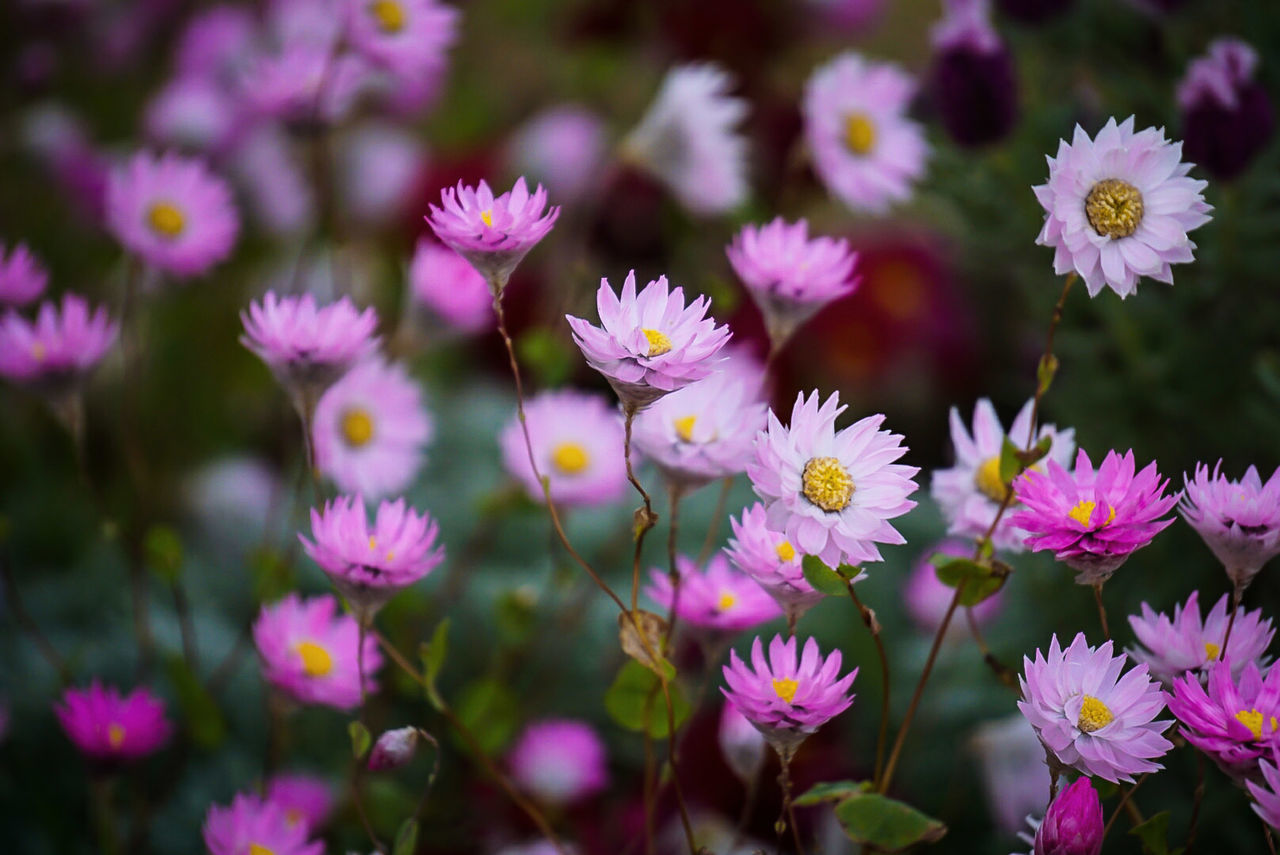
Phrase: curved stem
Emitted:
{"points": [[1197, 797], [1237, 594], [873, 627], [673, 574], [1003, 672], [1102, 611], [1124, 802], [645, 517]]}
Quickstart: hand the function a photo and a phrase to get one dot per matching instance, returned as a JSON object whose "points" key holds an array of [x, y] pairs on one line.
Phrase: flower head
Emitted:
{"points": [[718, 598], [409, 38], [1171, 648], [832, 492], [60, 347], [973, 82], [768, 557], [741, 744], [306, 800], [492, 233], [312, 652], [22, 276], [1227, 117], [108, 726], [559, 760], [450, 287], [1092, 521], [1239, 520], [1073, 824], [305, 344], [1089, 716], [172, 212], [303, 83], [1234, 722], [1119, 206], [649, 344], [253, 826], [1266, 799], [563, 146], [865, 149]]}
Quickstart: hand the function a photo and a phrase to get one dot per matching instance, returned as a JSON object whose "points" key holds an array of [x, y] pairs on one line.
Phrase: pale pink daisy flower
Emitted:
{"points": [[1172, 647], [563, 146], [717, 597], [216, 42], [560, 761], [272, 181], [304, 84], [1266, 796], [649, 344], [741, 745], [306, 800], [409, 38], [59, 348], [308, 346], [370, 430], [1236, 721], [253, 826], [768, 557], [450, 287], [970, 493], [865, 149], [1119, 207], [379, 166], [1239, 520], [194, 113], [493, 233], [109, 727], [22, 276], [172, 212], [832, 492], [1089, 716]]}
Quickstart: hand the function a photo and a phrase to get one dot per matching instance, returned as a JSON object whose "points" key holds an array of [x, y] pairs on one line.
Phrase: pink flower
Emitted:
{"points": [[306, 800], [650, 344], [310, 651], [771, 560], [927, 599], [718, 598], [1239, 520], [494, 234], [251, 826], [215, 42], [563, 146], [832, 492], [1266, 799], [865, 149], [60, 347], [306, 345], [1119, 207], [22, 276], [106, 726], [193, 112], [409, 38], [741, 744], [1011, 760], [1073, 824], [1234, 723], [577, 440], [560, 761], [303, 83], [172, 212], [450, 287], [1089, 716], [370, 430], [1174, 647], [1092, 522]]}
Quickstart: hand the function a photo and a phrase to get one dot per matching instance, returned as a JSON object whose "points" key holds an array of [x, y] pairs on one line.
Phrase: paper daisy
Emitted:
{"points": [[493, 233], [60, 348], [308, 346], [1239, 520], [717, 597], [22, 276], [1234, 722], [1172, 647], [109, 727], [768, 557], [409, 38], [560, 761], [252, 826]]}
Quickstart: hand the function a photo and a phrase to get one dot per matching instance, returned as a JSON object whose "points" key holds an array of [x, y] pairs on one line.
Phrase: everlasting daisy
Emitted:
{"points": [[311, 652], [1239, 520], [369, 563], [832, 492], [1073, 823], [172, 212], [768, 557], [252, 826], [865, 149], [60, 348], [787, 700], [450, 287], [494, 234], [1227, 118], [1234, 723], [689, 139], [562, 146], [1119, 207], [577, 440], [741, 745], [970, 493], [22, 276], [650, 344], [370, 429], [1171, 648], [973, 82], [1089, 716], [560, 761], [1092, 522], [1266, 799], [789, 276], [109, 727], [717, 598], [306, 800], [409, 38]]}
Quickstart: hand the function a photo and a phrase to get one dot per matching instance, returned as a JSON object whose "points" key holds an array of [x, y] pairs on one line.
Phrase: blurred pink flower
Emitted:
{"points": [[107, 726], [409, 38], [562, 146], [741, 744], [251, 826], [22, 276], [716, 597], [310, 650], [60, 347], [927, 599], [306, 345], [450, 287], [306, 800], [560, 761]]}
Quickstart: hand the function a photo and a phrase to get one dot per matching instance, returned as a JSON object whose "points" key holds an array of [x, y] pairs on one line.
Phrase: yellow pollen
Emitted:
{"points": [[389, 14], [166, 220], [684, 427], [570, 458], [785, 689], [1114, 208], [293, 816], [726, 601], [1083, 513], [38, 351], [1211, 650], [487, 216], [316, 661], [786, 551], [987, 480], [373, 542], [1094, 715], [391, 556], [357, 427], [259, 849], [827, 484], [859, 133], [115, 735], [658, 342]]}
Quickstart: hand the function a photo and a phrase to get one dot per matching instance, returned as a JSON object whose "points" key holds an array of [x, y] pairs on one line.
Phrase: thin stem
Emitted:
{"points": [[675, 769], [101, 787], [1124, 801], [716, 516], [1271, 843], [1197, 797], [645, 517], [873, 627], [673, 574], [186, 628], [788, 809], [13, 596], [1003, 672], [1237, 594], [1048, 352], [363, 623], [1102, 611], [649, 783]]}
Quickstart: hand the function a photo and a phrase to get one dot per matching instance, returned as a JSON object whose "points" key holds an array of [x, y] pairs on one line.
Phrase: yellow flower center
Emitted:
{"points": [[1094, 715], [38, 351], [373, 542], [785, 689], [1211, 650], [357, 427], [987, 480], [316, 661], [487, 216], [570, 458], [786, 551], [389, 14], [859, 133], [259, 849], [658, 342], [827, 484], [1114, 208], [166, 220], [726, 601], [1252, 719], [115, 734], [1083, 513], [684, 427], [293, 816]]}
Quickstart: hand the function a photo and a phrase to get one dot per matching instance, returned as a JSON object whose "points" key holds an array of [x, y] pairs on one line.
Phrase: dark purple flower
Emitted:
{"points": [[1227, 116]]}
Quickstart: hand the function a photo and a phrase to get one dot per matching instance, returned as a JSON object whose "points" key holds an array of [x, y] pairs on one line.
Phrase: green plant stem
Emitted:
{"points": [[873, 627], [1102, 611], [788, 808]]}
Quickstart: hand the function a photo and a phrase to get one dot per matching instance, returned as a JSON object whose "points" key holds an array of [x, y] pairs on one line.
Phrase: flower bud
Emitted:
{"points": [[394, 749], [1073, 825]]}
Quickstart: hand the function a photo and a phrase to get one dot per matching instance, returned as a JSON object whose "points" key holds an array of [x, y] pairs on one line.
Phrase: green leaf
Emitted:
{"points": [[545, 353], [1037, 452], [491, 711], [980, 580], [1154, 834], [162, 549], [406, 838], [432, 654], [886, 824], [635, 701], [1010, 463], [831, 791], [1045, 371], [515, 613], [360, 739], [823, 578], [272, 575], [203, 718]]}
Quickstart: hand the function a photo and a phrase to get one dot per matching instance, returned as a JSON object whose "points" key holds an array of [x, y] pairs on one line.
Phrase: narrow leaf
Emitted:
{"points": [[406, 838], [360, 739], [1010, 464]]}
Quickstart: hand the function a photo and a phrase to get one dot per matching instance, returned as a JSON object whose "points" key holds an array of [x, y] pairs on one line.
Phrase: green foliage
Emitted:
{"points": [[635, 701], [831, 791], [491, 711], [199, 710], [432, 654], [1154, 834], [981, 580], [162, 548], [361, 739], [406, 838], [886, 824], [823, 578]]}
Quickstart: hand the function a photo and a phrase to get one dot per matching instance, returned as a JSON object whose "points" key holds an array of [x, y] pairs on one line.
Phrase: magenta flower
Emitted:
{"points": [[303, 84], [741, 744], [927, 599], [493, 234], [450, 287], [789, 276], [560, 761], [172, 212], [1073, 824], [370, 430], [1266, 799], [107, 726], [1119, 207], [1239, 520], [311, 652], [717, 598], [304, 345], [22, 276], [252, 826], [1227, 117], [650, 344], [1234, 723], [772, 561], [60, 348], [786, 700], [577, 440], [369, 563], [1174, 647], [409, 38], [1092, 521], [306, 800], [969, 493], [1089, 716], [563, 146], [832, 492]]}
